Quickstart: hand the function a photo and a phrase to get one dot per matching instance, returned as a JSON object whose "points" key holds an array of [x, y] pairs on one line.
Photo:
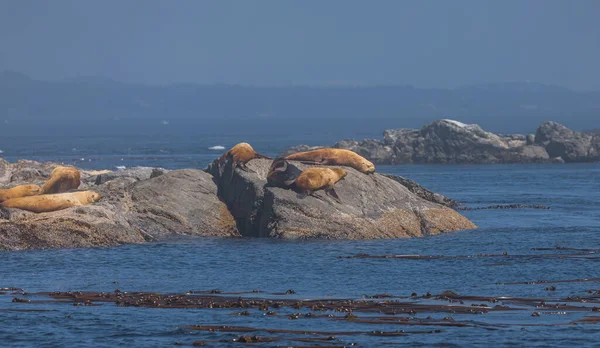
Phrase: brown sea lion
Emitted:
{"points": [[20, 191], [62, 179], [319, 178], [238, 156], [52, 202], [282, 173], [339, 157]]}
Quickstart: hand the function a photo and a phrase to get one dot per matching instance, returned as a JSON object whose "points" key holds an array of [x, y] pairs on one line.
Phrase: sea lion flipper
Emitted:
{"points": [[331, 192], [311, 163], [319, 197]]}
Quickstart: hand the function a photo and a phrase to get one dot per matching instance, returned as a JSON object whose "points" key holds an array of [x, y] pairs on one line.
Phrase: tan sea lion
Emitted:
{"points": [[238, 156], [20, 191], [52, 202], [62, 179], [319, 178], [339, 157]]}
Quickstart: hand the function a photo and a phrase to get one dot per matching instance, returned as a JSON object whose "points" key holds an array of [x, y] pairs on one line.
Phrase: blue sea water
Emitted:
{"points": [[312, 268]]}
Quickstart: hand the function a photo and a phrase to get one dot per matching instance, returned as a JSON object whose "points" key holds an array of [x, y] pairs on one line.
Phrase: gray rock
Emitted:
{"points": [[25, 172], [373, 206], [571, 146], [130, 211], [136, 173], [448, 141], [530, 139], [452, 142], [25, 175], [390, 136], [182, 202], [514, 140], [423, 192], [4, 214], [527, 154]]}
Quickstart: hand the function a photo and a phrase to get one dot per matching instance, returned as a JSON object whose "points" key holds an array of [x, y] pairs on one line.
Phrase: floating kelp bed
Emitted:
{"points": [[376, 314], [588, 254], [287, 319], [505, 206]]}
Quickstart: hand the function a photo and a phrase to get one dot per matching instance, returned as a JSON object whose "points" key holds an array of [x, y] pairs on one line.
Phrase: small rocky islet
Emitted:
{"points": [[453, 142], [144, 204]]}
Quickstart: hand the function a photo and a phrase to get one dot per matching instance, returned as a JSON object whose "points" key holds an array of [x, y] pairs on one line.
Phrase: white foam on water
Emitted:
{"points": [[217, 147], [121, 167]]}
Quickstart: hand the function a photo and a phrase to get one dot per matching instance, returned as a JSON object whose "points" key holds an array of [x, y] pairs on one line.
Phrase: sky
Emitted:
{"points": [[425, 43]]}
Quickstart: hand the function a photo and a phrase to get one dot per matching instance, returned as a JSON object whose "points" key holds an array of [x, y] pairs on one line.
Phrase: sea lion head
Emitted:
{"points": [[93, 196], [278, 165], [366, 166], [96, 196]]}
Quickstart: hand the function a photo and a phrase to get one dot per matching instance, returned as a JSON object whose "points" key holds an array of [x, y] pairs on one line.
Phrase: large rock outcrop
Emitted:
{"points": [[373, 206], [137, 205], [145, 204], [453, 142]]}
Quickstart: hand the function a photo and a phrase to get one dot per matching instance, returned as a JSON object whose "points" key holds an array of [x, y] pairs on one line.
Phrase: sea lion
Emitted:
{"points": [[339, 157], [62, 179], [52, 202], [282, 173], [238, 156], [20, 191], [314, 179]]}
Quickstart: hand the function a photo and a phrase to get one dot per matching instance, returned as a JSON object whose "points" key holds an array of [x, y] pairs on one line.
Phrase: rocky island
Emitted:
{"points": [[144, 204], [453, 142]]}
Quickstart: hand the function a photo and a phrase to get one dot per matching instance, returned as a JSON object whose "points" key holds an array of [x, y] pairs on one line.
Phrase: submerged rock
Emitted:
{"points": [[372, 206]]}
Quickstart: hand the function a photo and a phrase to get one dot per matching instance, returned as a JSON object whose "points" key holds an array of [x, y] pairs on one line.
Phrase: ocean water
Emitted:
{"points": [[313, 269]]}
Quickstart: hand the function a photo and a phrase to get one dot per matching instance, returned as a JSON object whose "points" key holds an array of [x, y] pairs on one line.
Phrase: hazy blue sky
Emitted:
{"points": [[425, 43]]}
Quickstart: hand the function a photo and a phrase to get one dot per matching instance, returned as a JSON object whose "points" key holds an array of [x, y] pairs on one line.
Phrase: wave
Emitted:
{"points": [[217, 147]]}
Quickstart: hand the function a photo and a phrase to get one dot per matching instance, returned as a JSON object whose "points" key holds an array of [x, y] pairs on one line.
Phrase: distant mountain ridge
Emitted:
{"points": [[500, 107]]}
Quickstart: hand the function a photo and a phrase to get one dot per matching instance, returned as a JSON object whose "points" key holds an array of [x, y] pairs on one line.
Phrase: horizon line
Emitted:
{"points": [[82, 78]]}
